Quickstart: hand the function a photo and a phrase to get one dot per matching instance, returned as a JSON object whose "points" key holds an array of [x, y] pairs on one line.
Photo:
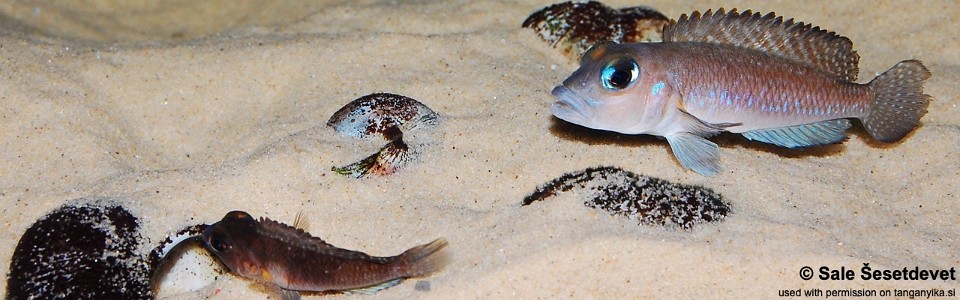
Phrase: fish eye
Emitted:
{"points": [[219, 243], [619, 74]]}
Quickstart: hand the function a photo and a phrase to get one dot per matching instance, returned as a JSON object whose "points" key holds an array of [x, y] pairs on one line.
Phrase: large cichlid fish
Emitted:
{"points": [[772, 80]]}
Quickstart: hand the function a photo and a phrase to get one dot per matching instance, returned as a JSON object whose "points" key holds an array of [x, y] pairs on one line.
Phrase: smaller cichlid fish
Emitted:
{"points": [[289, 260], [771, 80]]}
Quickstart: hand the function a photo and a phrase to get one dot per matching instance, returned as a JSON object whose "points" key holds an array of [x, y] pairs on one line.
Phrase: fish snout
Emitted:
{"points": [[569, 106]]}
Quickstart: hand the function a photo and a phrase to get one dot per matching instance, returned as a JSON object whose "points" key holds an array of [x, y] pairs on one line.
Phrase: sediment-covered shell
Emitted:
{"points": [[650, 200], [92, 249], [373, 115], [388, 160], [574, 27], [80, 251], [389, 116]]}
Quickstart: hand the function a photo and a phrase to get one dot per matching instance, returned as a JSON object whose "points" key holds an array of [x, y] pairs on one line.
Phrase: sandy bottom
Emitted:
{"points": [[187, 133]]}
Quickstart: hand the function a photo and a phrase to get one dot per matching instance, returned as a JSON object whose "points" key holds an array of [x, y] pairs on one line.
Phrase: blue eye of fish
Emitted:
{"points": [[619, 74]]}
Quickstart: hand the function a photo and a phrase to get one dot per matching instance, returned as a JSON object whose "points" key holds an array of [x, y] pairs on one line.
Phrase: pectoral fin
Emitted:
{"points": [[691, 147], [284, 294], [813, 134], [373, 289], [695, 153], [692, 124]]}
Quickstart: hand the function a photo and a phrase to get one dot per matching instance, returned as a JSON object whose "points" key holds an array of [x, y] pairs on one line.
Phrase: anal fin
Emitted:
{"points": [[373, 289], [806, 135], [695, 153]]}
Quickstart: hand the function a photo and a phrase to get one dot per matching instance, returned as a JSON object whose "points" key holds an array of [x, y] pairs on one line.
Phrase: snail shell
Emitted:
{"points": [[376, 114], [574, 27]]}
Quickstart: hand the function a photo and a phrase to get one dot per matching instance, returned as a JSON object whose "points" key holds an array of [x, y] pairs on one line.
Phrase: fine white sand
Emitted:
{"points": [[187, 132]]}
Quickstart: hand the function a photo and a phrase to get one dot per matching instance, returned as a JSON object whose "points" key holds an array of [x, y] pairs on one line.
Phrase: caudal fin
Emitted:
{"points": [[424, 259], [898, 101]]}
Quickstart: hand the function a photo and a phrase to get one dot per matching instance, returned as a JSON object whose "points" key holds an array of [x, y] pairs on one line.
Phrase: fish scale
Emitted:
{"points": [[751, 98]]}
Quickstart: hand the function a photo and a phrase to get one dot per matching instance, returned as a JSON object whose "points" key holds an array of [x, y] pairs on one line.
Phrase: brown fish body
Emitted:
{"points": [[291, 259]]}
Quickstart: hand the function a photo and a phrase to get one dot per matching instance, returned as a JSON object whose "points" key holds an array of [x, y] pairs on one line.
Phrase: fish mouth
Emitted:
{"points": [[570, 107]]}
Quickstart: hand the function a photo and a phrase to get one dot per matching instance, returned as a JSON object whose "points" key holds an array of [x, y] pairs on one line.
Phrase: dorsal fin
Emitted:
{"points": [[301, 222], [297, 237], [290, 234], [797, 41]]}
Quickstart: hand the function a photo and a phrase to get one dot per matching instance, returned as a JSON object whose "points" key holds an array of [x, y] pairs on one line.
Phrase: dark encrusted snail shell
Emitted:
{"points": [[650, 200], [80, 251], [574, 27], [388, 160], [92, 248], [375, 114], [385, 115]]}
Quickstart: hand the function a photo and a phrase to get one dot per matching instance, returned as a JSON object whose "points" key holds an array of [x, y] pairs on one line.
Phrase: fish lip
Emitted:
{"points": [[569, 106]]}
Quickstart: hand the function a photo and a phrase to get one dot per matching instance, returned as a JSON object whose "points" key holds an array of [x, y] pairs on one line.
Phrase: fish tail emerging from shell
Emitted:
{"points": [[898, 101], [424, 259]]}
